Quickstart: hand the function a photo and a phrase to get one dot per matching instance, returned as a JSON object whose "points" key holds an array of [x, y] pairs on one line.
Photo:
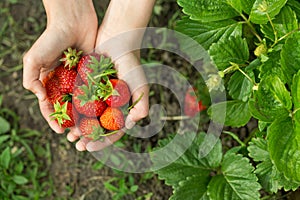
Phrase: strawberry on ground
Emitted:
{"points": [[86, 104], [192, 105], [119, 94], [112, 119]]}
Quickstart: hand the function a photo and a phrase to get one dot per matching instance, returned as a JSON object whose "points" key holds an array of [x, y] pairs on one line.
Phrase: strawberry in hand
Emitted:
{"points": [[64, 114], [93, 67], [70, 58], [115, 93], [112, 119], [87, 103]]}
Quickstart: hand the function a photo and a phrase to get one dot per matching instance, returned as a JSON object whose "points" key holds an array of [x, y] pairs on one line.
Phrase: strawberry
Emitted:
{"points": [[51, 85], [112, 119], [191, 104], [86, 103], [70, 58], [93, 67], [66, 78], [119, 93], [90, 128], [64, 114]]}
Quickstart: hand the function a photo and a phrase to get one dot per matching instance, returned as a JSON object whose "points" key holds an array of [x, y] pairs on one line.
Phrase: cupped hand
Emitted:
{"points": [[129, 70], [69, 24]]}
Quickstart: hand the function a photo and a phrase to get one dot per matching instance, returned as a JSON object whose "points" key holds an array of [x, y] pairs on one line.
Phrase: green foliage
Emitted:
{"points": [[194, 176], [255, 46], [22, 175]]}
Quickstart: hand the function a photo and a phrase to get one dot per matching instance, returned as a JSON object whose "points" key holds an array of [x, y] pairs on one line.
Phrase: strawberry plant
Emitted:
{"points": [[254, 44]]}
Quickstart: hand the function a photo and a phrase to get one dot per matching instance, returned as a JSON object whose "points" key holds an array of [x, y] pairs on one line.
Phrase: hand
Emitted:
{"points": [[129, 70], [119, 37], [70, 23]]}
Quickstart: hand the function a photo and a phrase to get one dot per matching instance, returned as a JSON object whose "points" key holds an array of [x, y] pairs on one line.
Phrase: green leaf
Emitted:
{"points": [[295, 5], [290, 56], [20, 180], [209, 32], [272, 67], [237, 5], [284, 142], [271, 101], [4, 125], [3, 138], [194, 187], [5, 158], [247, 6], [191, 162], [269, 177], [236, 114], [229, 50], [239, 86], [295, 91], [207, 10], [263, 10], [237, 180], [284, 23]]}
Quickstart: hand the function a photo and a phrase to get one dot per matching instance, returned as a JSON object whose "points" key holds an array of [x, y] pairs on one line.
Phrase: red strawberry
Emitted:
{"points": [[119, 95], [66, 78], [112, 119], [93, 67], [64, 114], [90, 128], [51, 85], [191, 104], [86, 104], [84, 67], [70, 58]]}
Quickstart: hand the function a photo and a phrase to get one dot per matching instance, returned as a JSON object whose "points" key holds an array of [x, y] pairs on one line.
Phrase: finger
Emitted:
{"points": [[81, 144], [99, 145], [72, 135], [47, 109], [141, 109]]}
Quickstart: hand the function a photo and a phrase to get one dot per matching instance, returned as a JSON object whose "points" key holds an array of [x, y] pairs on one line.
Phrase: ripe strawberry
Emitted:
{"points": [[112, 119], [66, 78], [64, 114], [70, 58], [51, 85], [87, 104], [90, 128], [119, 95], [191, 104], [93, 67]]}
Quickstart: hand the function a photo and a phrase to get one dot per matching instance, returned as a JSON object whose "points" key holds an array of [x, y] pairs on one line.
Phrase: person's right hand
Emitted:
{"points": [[70, 23]]}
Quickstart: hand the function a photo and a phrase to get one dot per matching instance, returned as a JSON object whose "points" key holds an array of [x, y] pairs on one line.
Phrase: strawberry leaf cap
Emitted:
{"points": [[60, 113], [71, 57]]}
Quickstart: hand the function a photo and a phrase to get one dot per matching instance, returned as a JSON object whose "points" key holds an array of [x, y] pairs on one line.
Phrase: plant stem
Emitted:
{"points": [[235, 137], [251, 27], [248, 77]]}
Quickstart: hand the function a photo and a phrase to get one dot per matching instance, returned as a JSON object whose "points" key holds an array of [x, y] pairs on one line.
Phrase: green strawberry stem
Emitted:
{"points": [[134, 103], [60, 113]]}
